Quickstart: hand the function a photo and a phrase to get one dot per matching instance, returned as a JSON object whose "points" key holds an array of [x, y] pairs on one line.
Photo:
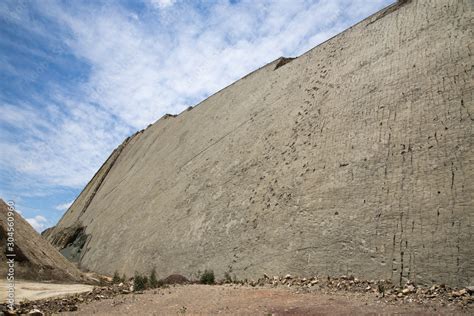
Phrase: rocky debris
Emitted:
{"points": [[282, 61], [72, 302], [383, 289], [67, 304]]}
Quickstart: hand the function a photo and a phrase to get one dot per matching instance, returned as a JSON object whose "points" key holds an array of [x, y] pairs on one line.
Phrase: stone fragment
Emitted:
{"points": [[409, 289], [459, 293]]}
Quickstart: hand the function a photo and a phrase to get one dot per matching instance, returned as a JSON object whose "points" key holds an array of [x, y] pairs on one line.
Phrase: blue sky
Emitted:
{"points": [[77, 77]]}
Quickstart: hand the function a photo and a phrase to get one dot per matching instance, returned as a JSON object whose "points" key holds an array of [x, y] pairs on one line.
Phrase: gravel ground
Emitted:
{"points": [[267, 296], [247, 300]]}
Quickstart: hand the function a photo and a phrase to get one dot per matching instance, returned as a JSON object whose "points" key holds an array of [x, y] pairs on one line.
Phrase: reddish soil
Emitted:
{"points": [[245, 300]]}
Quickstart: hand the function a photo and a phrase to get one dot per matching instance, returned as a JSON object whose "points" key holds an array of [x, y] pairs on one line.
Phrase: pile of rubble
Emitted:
{"points": [[385, 289]]}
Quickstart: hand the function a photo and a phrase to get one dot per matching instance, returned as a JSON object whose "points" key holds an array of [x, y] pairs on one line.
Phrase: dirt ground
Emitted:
{"points": [[25, 290], [246, 300]]}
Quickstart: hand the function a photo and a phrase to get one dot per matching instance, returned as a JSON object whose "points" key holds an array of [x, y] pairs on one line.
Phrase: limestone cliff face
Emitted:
{"points": [[354, 158]]}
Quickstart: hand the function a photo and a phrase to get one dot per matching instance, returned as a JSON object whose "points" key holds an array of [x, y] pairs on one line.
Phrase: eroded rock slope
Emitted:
{"points": [[354, 158], [35, 258]]}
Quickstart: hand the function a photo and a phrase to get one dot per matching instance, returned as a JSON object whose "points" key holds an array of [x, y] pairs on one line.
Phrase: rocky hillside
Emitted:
{"points": [[35, 258], [355, 158]]}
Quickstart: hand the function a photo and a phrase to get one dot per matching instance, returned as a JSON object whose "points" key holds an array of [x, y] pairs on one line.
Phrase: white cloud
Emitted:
{"points": [[64, 206], [161, 4], [38, 222]]}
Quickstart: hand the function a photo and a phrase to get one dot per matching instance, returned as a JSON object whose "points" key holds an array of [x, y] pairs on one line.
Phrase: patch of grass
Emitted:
{"points": [[208, 277]]}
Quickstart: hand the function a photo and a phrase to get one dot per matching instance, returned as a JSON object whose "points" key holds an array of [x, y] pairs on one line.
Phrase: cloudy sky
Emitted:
{"points": [[77, 77]]}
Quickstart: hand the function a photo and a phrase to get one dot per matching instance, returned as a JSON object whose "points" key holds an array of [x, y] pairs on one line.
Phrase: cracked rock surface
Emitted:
{"points": [[355, 158]]}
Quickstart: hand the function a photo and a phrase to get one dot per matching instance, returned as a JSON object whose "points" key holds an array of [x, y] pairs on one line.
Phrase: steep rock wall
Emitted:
{"points": [[354, 158]]}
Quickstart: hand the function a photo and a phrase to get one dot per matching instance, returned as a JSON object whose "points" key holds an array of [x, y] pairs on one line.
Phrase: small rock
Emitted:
{"points": [[35, 312], [409, 289], [470, 289], [276, 278], [314, 282], [288, 276], [266, 276], [459, 293], [73, 308], [368, 288], [120, 284]]}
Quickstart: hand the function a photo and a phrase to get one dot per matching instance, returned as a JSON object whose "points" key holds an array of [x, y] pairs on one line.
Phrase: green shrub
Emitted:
{"points": [[227, 278], [116, 278], [139, 283], [124, 278], [153, 280], [208, 277]]}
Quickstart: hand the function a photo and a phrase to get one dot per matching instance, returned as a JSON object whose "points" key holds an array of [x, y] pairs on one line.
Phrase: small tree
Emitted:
{"points": [[116, 278], [208, 277], [153, 280], [138, 282]]}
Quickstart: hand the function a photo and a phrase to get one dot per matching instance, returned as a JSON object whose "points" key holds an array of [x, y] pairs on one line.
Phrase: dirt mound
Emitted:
{"points": [[175, 279], [35, 258]]}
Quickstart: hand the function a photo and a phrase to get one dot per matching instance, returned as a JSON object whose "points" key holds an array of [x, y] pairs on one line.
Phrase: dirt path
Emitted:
{"points": [[237, 300], [25, 290]]}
